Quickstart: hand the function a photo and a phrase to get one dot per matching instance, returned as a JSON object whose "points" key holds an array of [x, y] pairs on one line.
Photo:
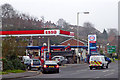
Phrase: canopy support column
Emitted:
{"points": [[48, 45]]}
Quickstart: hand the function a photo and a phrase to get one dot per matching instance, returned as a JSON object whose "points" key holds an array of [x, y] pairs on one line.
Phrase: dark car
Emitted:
{"points": [[33, 63], [50, 66]]}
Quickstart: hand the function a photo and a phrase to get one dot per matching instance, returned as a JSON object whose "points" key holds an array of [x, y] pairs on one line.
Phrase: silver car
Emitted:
{"points": [[60, 60], [33, 63]]}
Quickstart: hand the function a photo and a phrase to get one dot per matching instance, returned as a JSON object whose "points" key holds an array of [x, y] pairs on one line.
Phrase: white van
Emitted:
{"points": [[98, 61]]}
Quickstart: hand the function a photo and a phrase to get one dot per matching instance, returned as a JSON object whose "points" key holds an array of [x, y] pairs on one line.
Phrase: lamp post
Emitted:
{"points": [[78, 33]]}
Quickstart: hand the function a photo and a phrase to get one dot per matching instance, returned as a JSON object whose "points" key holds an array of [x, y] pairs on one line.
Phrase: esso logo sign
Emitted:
{"points": [[50, 32], [92, 37]]}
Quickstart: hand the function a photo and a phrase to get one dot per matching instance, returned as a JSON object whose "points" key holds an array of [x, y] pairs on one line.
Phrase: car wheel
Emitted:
{"points": [[57, 71], [39, 68], [102, 66], [29, 68], [107, 66], [90, 68], [96, 68], [59, 64], [43, 72]]}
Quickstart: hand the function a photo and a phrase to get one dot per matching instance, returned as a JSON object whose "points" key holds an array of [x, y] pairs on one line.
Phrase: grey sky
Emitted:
{"points": [[103, 13]]}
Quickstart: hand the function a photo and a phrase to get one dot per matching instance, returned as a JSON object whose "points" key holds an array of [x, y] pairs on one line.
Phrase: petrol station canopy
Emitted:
{"points": [[54, 32]]}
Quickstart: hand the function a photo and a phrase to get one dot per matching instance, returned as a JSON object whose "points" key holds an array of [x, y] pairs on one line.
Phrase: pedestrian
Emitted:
{"points": [[86, 57], [79, 56]]}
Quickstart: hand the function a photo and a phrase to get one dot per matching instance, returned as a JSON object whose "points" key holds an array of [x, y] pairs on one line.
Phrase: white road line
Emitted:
{"points": [[108, 74], [97, 77], [112, 70], [105, 70], [81, 70]]}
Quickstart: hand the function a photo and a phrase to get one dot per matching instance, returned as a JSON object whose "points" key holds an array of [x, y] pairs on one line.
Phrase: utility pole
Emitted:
{"points": [[77, 37], [78, 34]]}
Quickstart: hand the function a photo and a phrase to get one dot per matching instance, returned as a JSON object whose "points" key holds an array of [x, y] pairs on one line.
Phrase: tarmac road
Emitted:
{"points": [[81, 71]]}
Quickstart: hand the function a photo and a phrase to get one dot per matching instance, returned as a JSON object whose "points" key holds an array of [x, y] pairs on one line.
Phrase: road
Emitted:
{"points": [[82, 71]]}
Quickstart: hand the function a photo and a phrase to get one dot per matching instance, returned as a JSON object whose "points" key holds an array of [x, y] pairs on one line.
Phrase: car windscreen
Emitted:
{"points": [[27, 61], [51, 62], [95, 59], [36, 62], [56, 57]]}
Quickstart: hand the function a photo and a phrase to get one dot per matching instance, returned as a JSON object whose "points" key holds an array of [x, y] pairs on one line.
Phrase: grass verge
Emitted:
{"points": [[117, 59], [2, 73], [11, 71], [15, 71]]}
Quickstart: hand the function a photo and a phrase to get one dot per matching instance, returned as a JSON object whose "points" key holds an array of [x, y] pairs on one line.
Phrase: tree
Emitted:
{"points": [[105, 35], [7, 11], [112, 32], [11, 46], [14, 20], [63, 24]]}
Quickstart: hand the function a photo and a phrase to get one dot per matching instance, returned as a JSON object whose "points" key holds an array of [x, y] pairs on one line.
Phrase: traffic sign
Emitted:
{"points": [[111, 49]]}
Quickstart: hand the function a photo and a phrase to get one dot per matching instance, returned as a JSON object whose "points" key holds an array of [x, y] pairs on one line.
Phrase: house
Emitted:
{"points": [[74, 42]]}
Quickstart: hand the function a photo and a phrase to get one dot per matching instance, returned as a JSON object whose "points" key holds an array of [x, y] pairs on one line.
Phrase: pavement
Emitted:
{"points": [[19, 75]]}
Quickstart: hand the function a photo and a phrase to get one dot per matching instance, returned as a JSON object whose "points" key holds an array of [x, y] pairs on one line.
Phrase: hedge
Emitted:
{"points": [[12, 64]]}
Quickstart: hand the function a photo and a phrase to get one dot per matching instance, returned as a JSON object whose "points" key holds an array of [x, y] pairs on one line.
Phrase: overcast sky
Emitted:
{"points": [[103, 13]]}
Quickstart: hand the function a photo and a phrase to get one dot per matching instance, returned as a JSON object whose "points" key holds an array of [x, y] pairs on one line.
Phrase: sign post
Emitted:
{"points": [[92, 44]]}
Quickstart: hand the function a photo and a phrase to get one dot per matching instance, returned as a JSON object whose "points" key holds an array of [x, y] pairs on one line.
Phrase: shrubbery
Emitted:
{"points": [[14, 63], [18, 65], [7, 65]]}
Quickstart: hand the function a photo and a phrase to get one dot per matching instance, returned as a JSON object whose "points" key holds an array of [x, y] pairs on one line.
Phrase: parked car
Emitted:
{"points": [[24, 58], [32, 63], [98, 61], [60, 60], [50, 66]]}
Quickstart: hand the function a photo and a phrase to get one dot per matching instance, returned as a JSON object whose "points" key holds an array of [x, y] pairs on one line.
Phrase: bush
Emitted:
{"points": [[18, 65], [7, 65], [13, 64]]}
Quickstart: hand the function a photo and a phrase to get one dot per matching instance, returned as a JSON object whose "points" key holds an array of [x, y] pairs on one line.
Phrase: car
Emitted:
{"points": [[60, 60], [98, 61], [25, 57], [50, 66], [32, 63]]}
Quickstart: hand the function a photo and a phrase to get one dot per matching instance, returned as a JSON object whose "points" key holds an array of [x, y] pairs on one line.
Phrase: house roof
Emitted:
{"points": [[73, 39]]}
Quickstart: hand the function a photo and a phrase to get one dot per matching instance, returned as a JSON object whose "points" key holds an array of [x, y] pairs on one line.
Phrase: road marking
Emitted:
{"points": [[108, 74], [81, 70], [105, 70], [112, 70], [97, 77]]}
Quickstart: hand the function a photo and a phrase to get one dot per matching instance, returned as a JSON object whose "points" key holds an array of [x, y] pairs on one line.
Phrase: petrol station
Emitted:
{"points": [[44, 50]]}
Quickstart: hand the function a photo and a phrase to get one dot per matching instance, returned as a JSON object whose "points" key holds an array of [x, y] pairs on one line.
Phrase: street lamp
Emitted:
{"points": [[78, 30]]}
